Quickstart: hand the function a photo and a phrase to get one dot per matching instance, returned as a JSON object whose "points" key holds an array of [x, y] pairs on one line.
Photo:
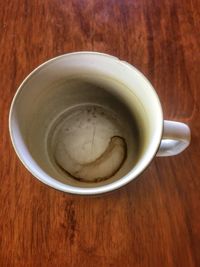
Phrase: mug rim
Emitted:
{"points": [[52, 182]]}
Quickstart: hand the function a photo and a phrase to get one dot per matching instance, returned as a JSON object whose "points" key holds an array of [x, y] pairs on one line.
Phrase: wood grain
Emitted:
{"points": [[154, 220]]}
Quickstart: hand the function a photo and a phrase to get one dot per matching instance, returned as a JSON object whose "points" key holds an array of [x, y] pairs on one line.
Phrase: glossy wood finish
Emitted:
{"points": [[154, 220]]}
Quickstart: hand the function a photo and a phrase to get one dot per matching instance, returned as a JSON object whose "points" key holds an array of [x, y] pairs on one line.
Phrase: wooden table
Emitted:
{"points": [[153, 221]]}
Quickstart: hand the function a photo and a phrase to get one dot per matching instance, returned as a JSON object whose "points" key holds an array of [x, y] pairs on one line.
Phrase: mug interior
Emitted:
{"points": [[73, 80]]}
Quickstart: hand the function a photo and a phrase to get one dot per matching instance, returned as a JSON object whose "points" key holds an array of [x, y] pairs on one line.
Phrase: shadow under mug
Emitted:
{"points": [[46, 92]]}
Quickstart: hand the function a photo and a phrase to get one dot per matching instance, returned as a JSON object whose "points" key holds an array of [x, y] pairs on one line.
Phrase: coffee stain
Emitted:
{"points": [[100, 169]]}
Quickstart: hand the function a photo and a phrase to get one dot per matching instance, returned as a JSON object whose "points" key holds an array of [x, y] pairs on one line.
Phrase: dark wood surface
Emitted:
{"points": [[154, 220]]}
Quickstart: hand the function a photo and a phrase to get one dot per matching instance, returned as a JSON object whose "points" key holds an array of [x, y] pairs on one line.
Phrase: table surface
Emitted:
{"points": [[155, 219]]}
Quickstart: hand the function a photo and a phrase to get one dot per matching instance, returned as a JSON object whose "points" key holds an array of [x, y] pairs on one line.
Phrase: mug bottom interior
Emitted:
{"points": [[91, 144]]}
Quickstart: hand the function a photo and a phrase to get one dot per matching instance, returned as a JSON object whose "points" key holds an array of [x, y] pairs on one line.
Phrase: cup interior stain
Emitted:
{"points": [[88, 142]]}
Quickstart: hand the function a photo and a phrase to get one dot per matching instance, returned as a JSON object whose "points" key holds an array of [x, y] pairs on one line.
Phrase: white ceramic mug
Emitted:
{"points": [[45, 94]]}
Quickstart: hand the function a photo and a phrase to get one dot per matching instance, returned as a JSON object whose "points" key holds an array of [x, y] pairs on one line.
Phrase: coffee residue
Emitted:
{"points": [[102, 168]]}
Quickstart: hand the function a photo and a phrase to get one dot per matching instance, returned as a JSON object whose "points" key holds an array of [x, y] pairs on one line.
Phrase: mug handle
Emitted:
{"points": [[176, 138]]}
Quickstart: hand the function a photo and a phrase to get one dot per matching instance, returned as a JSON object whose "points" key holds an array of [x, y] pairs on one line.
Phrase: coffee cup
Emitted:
{"points": [[89, 123]]}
